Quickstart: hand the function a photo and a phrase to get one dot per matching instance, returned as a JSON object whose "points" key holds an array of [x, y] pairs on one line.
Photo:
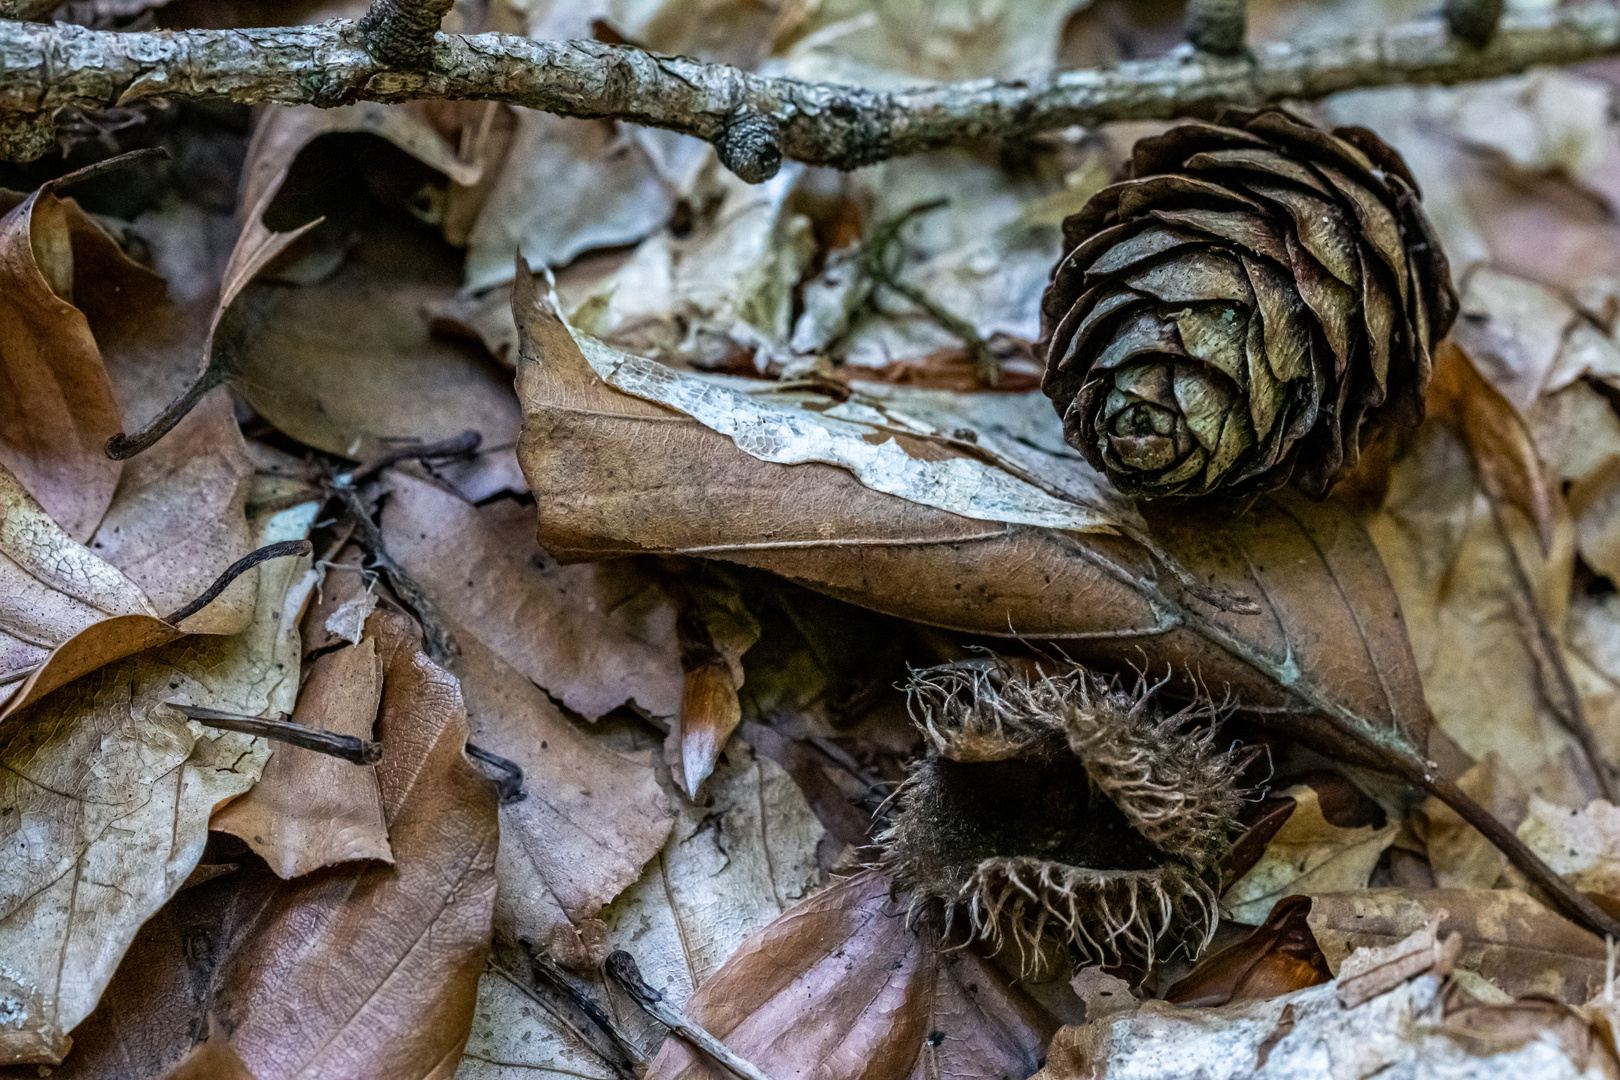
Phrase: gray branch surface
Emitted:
{"points": [[44, 68]]}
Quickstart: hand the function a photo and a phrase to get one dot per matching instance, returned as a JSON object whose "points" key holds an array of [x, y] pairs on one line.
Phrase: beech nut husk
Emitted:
{"points": [[1055, 809], [1248, 306]]}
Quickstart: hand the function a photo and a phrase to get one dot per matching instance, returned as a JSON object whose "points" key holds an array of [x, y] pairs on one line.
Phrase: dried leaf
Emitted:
{"points": [[595, 637], [58, 411], [846, 981], [1279, 957], [1301, 1036], [591, 820], [1371, 971], [1583, 845], [310, 810], [114, 790], [1308, 855], [1507, 937], [361, 970], [584, 452]]}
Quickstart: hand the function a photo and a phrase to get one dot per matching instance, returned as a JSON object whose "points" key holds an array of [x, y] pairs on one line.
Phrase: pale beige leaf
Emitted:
{"points": [[311, 810], [114, 790], [1307, 855], [1308, 1035], [1582, 845]]}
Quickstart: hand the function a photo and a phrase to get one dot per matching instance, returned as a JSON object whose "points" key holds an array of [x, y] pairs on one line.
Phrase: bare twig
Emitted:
{"points": [[621, 968], [348, 747], [236, 570], [753, 118], [459, 446], [509, 781]]}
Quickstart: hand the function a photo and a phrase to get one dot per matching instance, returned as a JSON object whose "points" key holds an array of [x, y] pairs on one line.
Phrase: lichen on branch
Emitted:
{"points": [[45, 68]]}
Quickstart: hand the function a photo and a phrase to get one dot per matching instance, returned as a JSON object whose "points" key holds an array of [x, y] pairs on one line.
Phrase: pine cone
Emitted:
{"points": [[1245, 308]]}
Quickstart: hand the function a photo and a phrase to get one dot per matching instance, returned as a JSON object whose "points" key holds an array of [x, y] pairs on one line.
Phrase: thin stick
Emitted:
{"points": [[621, 968], [44, 68], [348, 747], [236, 570], [458, 446]]}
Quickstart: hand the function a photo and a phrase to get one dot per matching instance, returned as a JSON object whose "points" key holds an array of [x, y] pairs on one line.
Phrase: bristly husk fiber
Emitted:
{"points": [[1054, 807]]}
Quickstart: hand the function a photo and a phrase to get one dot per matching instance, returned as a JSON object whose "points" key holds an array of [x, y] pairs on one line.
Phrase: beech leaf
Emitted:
{"points": [[845, 985]]}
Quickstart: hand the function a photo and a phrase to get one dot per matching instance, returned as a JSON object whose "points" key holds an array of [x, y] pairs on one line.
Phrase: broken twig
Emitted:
{"points": [[348, 747], [621, 968]]}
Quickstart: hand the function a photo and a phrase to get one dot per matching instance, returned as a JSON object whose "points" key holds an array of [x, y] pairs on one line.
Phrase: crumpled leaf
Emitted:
{"points": [[1304, 1036], [362, 970], [58, 410], [1508, 938], [1306, 856], [595, 637], [310, 810], [584, 453], [846, 984], [112, 791]]}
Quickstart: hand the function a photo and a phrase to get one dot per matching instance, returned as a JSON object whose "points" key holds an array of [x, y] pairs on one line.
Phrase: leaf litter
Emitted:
{"points": [[633, 649]]}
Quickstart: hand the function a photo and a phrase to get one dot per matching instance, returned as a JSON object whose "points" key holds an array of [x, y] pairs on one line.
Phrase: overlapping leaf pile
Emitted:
{"points": [[621, 549]]}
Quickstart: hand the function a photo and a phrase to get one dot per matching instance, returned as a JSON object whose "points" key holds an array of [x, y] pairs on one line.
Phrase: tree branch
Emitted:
{"points": [[754, 118]]}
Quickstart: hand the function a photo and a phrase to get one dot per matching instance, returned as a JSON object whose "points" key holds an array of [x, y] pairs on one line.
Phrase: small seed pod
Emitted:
{"points": [[1062, 809]]}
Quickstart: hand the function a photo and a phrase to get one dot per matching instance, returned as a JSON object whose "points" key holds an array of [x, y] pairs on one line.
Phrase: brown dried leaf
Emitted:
{"points": [[58, 410], [1279, 957], [310, 810], [1308, 855], [1507, 937], [620, 475], [360, 971], [595, 637], [847, 985], [591, 819]]}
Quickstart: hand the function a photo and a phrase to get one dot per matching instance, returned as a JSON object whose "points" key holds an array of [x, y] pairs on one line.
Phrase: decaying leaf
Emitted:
{"points": [[1582, 845], [1374, 970], [1279, 957], [590, 820], [846, 984], [1507, 937], [361, 970], [111, 792], [584, 453], [595, 637], [1308, 1034], [1307, 855], [310, 810], [58, 410]]}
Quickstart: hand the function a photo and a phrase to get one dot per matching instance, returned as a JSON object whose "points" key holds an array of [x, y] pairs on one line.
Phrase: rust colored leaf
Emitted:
{"points": [[57, 409], [844, 985], [373, 971], [1279, 957], [1507, 937], [595, 637], [311, 810]]}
